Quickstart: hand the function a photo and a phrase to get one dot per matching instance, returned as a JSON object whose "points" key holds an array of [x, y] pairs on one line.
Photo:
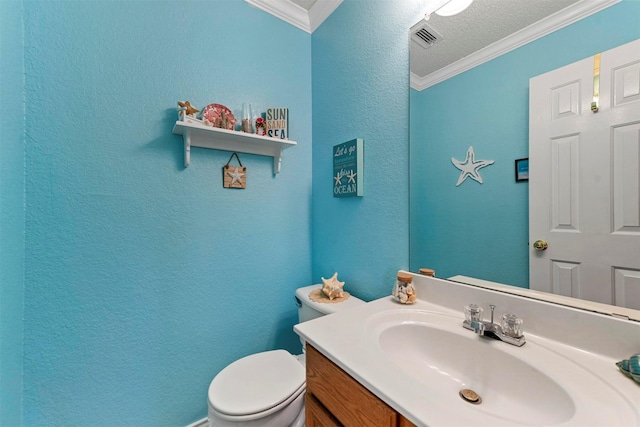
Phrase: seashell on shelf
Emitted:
{"points": [[219, 116], [332, 287]]}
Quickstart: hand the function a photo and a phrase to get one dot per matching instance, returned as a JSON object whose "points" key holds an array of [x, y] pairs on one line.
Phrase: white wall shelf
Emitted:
{"points": [[196, 134]]}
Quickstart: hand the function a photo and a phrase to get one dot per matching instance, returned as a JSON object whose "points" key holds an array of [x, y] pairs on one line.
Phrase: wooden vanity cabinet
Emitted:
{"points": [[336, 399]]}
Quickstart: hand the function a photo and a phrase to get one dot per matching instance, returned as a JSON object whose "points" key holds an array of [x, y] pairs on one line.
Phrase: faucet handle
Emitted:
{"points": [[473, 313], [511, 325]]}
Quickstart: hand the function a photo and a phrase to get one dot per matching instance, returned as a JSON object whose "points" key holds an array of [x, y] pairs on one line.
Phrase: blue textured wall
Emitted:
{"points": [[482, 230], [11, 211], [361, 90], [143, 278]]}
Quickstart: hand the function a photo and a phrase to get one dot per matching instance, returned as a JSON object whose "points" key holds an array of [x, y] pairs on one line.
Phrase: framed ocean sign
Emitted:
{"points": [[348, 169], [522, 170]]}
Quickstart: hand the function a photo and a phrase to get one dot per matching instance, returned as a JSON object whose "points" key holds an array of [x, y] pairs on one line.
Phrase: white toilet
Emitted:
{"points": [[267, 389]]}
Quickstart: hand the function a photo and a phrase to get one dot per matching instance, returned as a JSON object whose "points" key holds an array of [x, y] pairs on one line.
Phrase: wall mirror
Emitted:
{"points": [[460, 99]]}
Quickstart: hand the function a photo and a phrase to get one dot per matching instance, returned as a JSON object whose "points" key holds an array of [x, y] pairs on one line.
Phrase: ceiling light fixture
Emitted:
{"points": [[453, 7], [446, 7]]}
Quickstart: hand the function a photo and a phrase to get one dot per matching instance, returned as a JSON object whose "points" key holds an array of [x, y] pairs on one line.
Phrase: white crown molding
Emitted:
{"points": [[285, 10], [320, 11], [533, 32], [298, 16]]}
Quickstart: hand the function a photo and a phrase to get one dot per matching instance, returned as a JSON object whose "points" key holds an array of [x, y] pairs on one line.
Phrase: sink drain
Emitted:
{"points": [[470, 396]]}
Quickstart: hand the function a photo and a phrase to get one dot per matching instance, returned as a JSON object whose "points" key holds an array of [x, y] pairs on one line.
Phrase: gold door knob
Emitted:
{"points": [[540, 245]]}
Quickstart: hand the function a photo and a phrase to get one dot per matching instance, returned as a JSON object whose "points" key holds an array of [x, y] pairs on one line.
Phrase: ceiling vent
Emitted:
{"points": [[424, 35]]}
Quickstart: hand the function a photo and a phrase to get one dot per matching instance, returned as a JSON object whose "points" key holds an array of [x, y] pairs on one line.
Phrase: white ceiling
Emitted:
{"points": [[486, 29]]}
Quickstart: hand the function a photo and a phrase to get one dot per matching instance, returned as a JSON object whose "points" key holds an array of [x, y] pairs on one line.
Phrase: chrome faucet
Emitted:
{"points": [[510, 331]]}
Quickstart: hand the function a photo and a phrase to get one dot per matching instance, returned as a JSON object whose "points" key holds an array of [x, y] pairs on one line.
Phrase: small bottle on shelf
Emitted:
{"points": [[247, 118]]}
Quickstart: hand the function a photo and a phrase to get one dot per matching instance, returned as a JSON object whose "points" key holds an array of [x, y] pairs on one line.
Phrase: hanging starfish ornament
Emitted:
{"points": [[236, 176], [470, 167]]}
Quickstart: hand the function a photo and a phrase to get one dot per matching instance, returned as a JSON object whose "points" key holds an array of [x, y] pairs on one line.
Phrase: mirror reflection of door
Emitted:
{"points": [[584, 179]]}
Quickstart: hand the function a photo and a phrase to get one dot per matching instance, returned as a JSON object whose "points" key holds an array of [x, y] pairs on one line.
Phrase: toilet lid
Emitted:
{"points": [[256, 383]]}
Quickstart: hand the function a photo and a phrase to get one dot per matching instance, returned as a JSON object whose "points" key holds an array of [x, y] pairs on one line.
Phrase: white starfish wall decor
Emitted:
{"points": [[470, 167], [236, 176]]}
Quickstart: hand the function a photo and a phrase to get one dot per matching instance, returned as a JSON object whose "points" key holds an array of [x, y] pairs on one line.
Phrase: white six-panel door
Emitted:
{"points": [[584, 179]]}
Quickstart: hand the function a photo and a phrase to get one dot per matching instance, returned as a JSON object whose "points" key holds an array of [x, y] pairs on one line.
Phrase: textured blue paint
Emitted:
{"points": [[361, 90], [143, 278], [11, 211], [482, 230]]}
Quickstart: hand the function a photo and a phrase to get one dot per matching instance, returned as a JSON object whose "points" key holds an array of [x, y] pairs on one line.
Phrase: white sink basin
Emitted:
{"points": [[417, 359], [529, 385]]}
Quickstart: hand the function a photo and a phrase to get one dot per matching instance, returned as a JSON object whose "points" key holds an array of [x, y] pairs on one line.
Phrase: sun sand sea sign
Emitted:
{"points": [[278, 123], [348, 169]]}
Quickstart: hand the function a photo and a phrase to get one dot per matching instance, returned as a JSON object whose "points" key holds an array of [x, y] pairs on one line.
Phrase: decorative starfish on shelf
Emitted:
{"points": [[190, 110], [470, 168]]}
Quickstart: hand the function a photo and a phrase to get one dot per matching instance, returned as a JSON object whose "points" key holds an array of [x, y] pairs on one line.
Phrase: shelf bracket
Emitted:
{"points": [[187, 148], [277, 161]]}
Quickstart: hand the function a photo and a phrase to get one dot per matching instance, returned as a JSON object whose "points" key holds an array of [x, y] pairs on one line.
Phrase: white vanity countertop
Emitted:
{"points": [[349, 339]]}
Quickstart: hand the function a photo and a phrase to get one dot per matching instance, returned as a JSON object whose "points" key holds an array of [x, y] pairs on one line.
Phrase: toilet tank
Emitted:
{"points": [[308, 309]]}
